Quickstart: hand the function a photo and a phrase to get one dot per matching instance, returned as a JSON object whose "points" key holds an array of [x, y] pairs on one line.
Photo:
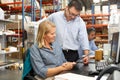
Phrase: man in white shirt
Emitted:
{"points": [[71, 31]]}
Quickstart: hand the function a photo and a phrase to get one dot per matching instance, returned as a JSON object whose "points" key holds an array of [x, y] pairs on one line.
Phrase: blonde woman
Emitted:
{"points": [[46, 56]]}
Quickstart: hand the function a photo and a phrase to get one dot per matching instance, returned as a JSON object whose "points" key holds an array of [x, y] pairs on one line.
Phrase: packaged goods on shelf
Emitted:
{"points": [[88, 12], [12, 26], [3, 41], [1, 14], [2, 28], [97, 9], [83, 10], [105, 9], [28, 2], [105, 21], [105, 30], [113, 6], [114, 18], [6, 1], [64, 3], [19, 17], [114, 25]]}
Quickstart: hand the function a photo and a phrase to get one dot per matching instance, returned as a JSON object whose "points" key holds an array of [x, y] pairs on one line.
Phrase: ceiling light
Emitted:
{"points": [[96, 1], [104, 0]]}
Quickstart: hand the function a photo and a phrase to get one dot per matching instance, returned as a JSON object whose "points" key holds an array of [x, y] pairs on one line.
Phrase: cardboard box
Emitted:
{"points": [[97, 9], [6, 1], [105, 9]]}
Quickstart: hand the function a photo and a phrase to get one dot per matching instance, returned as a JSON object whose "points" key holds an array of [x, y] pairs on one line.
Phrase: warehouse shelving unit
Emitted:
{"points": [[97, 20], [99, 27], [6, 51], [53, 6]]}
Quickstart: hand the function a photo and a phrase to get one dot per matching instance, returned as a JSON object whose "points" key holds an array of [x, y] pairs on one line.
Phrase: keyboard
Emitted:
{"points": [[101, 65]]}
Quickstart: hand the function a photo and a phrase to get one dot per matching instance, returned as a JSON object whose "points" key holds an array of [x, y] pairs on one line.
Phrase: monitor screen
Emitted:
{"points": [[115, 46]]}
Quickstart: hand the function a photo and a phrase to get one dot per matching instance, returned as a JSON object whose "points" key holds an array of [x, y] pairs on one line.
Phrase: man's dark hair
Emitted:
{"points": [[89, 30], [76, 3]]}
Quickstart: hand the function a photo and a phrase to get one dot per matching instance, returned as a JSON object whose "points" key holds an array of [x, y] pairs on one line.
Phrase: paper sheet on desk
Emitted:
{"points": [[103, 77], [72, 76]]}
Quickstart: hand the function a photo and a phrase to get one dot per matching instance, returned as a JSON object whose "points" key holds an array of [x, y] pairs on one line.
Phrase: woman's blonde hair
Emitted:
{"points": [[44, 28]]}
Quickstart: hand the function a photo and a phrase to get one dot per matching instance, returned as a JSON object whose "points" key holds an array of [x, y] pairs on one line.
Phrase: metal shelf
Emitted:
{"points": [[7, 21], [7, 52], [6, 64], [96, 21], [4, 53], [95, 15], [10, 3], [101, 41], [97, 25], [102, 35]]}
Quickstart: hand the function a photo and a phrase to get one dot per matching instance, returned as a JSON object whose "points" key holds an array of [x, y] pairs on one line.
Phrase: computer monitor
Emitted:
{"points": [[115, 47]]}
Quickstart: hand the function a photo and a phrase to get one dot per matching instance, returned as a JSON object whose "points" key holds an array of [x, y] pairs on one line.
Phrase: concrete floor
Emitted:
{"points": [[7, 74]]}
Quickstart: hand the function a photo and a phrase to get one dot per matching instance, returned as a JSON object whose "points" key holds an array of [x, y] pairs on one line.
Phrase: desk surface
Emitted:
{"points": [[82, 69]]}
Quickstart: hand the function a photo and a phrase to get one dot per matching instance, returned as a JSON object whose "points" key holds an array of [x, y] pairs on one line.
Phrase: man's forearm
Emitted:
{"points": [[86, 52]]}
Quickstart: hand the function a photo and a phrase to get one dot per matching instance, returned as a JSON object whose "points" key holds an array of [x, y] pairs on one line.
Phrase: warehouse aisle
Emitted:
{"points": [[7, 74]]}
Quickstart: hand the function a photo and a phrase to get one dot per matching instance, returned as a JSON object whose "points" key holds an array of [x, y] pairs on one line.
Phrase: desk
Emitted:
{"points": [[81, 69], [81, 73]]}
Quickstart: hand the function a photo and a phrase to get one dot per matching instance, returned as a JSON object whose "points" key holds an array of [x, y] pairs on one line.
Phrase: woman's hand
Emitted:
{"points": [[68, 65]]}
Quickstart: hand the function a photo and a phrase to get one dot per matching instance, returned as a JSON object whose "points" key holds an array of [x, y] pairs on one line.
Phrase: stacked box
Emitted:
{"points": [[13, 26], [105, 9], [6, 1], [97, 9]]}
